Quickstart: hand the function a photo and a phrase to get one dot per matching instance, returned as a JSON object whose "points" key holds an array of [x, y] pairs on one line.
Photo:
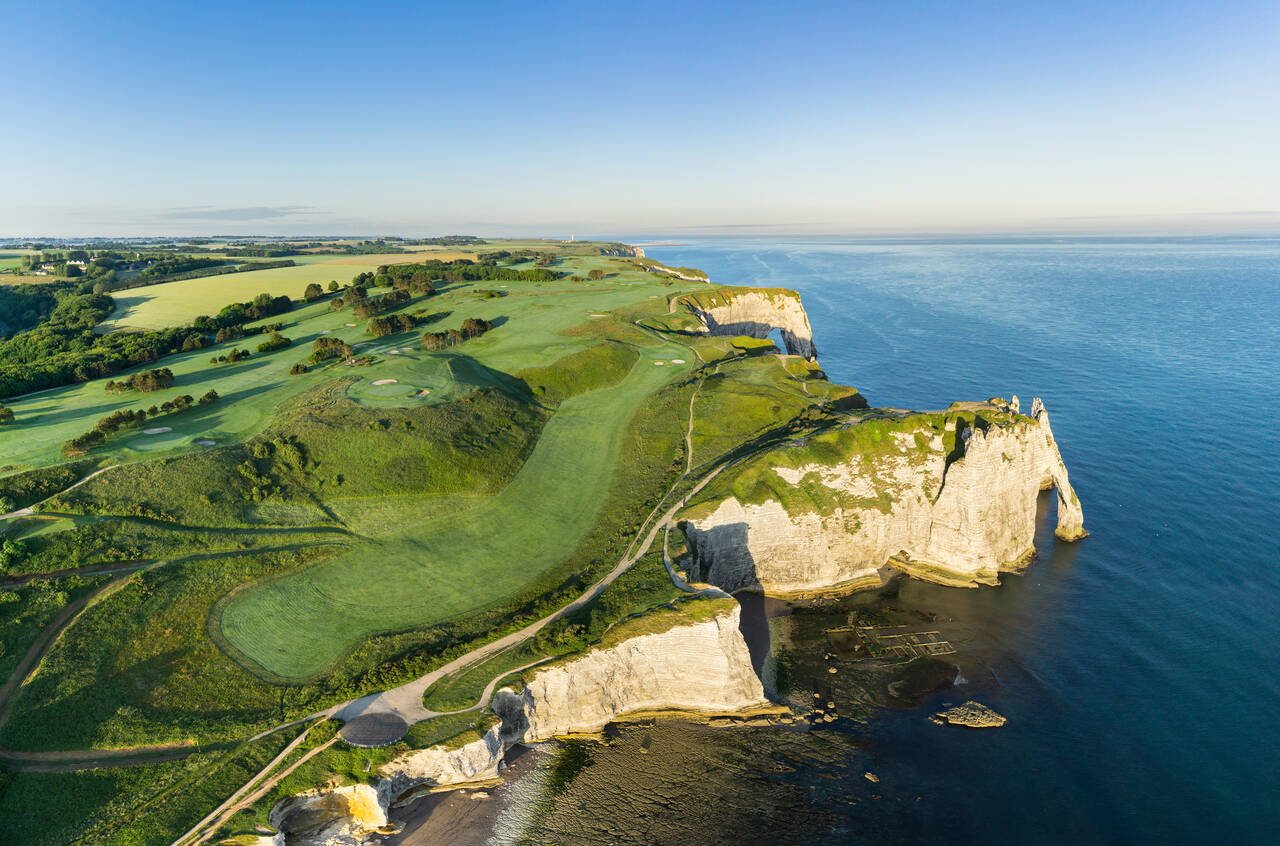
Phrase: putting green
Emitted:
{"points": [[445, 567]]}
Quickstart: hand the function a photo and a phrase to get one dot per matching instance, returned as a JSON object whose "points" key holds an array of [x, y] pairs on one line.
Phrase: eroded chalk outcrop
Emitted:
{"points": [[691, 659], [354, 815], [702, 666], [949, 497], [755, 312]]}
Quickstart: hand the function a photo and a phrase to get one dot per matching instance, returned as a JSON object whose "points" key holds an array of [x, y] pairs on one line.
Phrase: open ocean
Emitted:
{"points": [[1138, 668]]}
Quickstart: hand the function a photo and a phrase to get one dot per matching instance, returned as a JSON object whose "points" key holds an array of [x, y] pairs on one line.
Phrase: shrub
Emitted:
{"points": [[275, 342]]}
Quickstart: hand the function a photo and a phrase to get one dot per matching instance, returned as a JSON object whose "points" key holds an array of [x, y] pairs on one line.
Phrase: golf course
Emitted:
{"points": [[250, 498]]}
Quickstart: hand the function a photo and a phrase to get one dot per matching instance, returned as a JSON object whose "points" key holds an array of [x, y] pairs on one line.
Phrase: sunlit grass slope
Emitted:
{"points": [[447, 566]]}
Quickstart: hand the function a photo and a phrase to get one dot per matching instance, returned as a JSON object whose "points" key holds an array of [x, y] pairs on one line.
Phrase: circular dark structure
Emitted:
{"points": [[374, 730]]}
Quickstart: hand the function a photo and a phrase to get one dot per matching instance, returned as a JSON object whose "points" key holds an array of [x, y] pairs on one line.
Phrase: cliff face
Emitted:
{"points": [[704, 667], [699, 664], [439, 766], [351, 816], [756, 312], [950, 497], [343, 816]]}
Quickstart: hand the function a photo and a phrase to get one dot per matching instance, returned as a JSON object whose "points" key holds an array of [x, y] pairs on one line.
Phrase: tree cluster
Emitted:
{"points": [[326, 348], [382, 326], [472, 327], [275, 341], [373, 306], [354, 294], [144, 381]]}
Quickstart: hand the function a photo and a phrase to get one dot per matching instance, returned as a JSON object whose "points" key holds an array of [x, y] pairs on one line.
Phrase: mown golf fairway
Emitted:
{"points": [[480, 555]]}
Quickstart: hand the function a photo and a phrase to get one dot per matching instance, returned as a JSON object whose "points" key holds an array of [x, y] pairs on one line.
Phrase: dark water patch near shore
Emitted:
{"points": [[1137, 668]]}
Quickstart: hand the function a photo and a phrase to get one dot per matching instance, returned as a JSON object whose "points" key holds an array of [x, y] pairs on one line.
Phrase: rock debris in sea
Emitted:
{"points": [[972, 715]]}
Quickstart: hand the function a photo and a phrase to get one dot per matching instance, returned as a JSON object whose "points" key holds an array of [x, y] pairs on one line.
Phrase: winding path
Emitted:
{"points": [[404, 701]]}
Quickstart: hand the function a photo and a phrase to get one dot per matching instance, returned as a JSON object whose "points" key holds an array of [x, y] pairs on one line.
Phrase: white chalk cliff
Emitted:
{"points": [[704, 667], [958, 515], [755, 312], [350, 816]]}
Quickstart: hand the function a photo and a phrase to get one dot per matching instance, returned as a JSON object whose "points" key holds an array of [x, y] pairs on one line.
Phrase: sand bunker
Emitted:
{"points": [[423, 392], [325, 331], [205, 442], [658, 363], [159, 430], [351, 324], [393, 352], [677, 361], [386, 381]]}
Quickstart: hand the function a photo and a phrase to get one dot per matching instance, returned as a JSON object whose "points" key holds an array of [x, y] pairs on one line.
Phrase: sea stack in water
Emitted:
{"points": [[949, 496]]}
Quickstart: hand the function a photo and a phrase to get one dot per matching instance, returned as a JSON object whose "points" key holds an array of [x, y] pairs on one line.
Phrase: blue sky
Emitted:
{"points": [[594, 118]]}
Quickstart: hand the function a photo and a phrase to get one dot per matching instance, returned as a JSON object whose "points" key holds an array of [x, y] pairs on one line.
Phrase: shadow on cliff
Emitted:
{"points": [[722, 557]]}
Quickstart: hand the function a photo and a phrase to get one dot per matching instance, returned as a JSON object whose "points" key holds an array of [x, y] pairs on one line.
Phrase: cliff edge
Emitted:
{"points": [[950, 497], [690, 660], [754, 312]]}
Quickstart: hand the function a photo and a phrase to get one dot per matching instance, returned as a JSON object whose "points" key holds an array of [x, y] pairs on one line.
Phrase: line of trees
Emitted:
{"points": [[389, 301], [130, 418], [144, 380]]}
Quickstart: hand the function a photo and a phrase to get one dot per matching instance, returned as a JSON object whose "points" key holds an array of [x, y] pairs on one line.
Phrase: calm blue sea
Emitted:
{"points": [[1139, 668]]}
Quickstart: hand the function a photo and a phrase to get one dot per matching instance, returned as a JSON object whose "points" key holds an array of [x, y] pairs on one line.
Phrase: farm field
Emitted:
{"points": [[178, 303]]}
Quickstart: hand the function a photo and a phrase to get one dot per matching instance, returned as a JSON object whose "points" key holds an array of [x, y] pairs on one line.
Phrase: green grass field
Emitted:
{"points": [[432, 572], [466, 493]]}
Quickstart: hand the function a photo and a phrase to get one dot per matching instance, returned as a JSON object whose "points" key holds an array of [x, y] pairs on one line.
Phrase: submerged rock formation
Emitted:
{"points": [[702, 667], [755, 312], [949, 497], [970, 715]]}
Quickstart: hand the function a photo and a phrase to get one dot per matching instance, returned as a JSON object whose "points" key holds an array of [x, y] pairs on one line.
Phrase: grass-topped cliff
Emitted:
{"points": [[354, 508]]}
